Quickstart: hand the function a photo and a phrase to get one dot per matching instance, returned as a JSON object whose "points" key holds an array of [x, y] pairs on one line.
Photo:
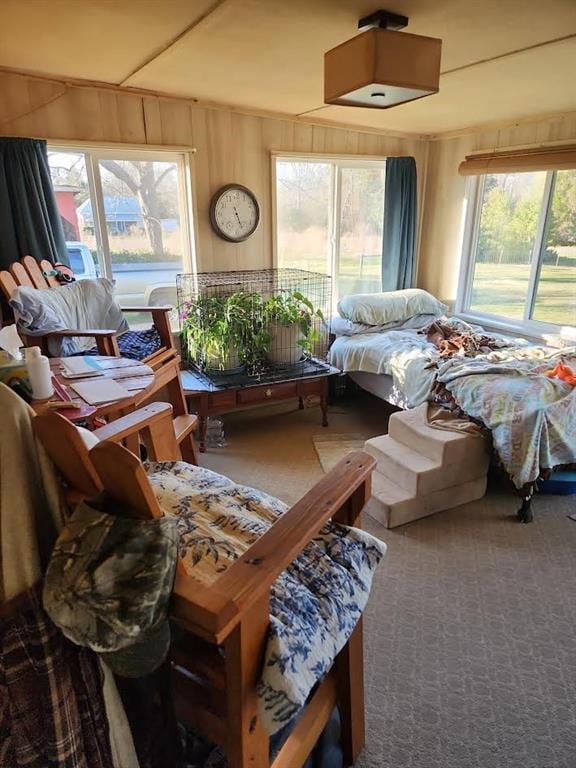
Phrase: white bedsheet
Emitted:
{"points": [[404, 355]]}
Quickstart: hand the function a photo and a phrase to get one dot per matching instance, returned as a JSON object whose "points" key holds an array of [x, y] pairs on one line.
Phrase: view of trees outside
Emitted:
{"points": [[148, 190], [511, 207], [361, 230], [305, 221], [556, 292], [304, 215], [142, 215], [141, 204]]}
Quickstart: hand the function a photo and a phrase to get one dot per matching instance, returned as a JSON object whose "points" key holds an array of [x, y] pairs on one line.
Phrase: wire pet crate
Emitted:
{"points": [[252, 326]]}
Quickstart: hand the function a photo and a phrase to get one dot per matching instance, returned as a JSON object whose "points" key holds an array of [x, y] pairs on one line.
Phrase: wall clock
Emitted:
{"points": [[234, 213]]}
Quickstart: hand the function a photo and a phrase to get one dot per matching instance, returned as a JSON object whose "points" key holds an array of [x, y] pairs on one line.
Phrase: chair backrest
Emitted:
{"points": [[27, 272], [108, 465], [124, 478], [70, 455]]}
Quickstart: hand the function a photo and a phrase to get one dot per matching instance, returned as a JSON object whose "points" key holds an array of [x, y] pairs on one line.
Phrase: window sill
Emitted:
{"points": [[551, 335]]}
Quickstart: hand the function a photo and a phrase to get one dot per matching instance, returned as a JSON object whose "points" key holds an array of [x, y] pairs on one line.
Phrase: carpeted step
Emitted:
{"points": [[393, 505], [419, 474], [412, 429]]}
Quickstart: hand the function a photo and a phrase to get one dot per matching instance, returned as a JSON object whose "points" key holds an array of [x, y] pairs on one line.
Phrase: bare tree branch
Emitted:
{"points": [[117, 170]]}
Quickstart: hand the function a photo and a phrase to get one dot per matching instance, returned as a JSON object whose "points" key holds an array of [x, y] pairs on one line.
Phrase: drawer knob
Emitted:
{"points": [[268, 392]]}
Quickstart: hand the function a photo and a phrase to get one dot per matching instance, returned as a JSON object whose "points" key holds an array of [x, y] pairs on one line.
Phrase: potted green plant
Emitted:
{"points": [[288, 319], [223, 332]]}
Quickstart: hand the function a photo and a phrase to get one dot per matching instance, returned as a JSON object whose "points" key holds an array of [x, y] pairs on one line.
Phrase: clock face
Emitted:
{"points": [[234, 213]]}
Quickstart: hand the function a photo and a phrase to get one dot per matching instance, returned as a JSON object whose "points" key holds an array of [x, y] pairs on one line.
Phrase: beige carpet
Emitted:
{"points": [[331, 448], [470, 633]]}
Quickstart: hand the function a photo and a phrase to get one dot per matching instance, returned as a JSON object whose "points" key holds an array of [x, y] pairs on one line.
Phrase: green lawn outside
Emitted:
{"points": [[500, 289]]}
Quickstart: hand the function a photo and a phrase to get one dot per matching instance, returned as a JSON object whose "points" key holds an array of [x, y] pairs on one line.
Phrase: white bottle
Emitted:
{"points": [[39, 374]]}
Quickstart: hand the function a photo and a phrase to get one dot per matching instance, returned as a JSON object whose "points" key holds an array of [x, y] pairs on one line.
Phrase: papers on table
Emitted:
{"points": [[101, 391], [80, 367]]}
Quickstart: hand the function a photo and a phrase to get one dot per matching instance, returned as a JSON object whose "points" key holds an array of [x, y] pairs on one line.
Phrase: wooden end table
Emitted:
{"points": [[208, 398], [136, 377]]}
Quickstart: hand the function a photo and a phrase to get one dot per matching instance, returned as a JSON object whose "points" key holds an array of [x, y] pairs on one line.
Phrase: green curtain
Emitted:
{"points": [[29, 219], [400, 220]]}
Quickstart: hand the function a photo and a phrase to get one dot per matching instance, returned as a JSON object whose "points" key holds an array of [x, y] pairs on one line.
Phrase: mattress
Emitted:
{"points": [[381, 385]]}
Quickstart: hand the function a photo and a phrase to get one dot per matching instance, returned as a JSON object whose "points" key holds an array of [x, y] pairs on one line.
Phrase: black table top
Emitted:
{"points": [[195, 380]]}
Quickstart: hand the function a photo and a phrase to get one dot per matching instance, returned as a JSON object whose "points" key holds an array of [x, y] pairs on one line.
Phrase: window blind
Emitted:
{"points": [[559, 158]]}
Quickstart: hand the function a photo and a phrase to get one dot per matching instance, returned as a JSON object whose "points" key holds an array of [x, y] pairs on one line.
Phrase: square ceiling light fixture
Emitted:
{"points": [[382, 67]]}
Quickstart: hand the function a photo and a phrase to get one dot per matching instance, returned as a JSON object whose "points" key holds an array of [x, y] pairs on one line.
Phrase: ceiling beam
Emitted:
{"points": [[173, 41]]}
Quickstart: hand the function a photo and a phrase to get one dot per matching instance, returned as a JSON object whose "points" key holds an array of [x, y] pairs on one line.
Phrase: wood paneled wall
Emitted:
{"points": [[230, 146]]}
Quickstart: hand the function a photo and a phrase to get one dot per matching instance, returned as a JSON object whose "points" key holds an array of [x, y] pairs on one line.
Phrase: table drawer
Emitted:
{"points": [[311, 387], [222, 400], [265, 393]]}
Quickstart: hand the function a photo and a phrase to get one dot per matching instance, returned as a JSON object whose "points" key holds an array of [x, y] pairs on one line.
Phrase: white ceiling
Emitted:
{"points": [[501, 59]]}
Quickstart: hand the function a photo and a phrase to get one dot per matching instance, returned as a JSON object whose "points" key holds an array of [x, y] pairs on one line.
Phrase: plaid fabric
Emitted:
{"points": [[51, 707], [135, 345]]}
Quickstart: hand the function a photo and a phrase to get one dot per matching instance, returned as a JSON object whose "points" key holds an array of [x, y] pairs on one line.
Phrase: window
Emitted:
{"points": [[522, 263], [125, 217], [329, 218]]}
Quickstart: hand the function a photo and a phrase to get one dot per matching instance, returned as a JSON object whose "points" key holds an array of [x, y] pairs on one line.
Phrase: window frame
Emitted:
{"points": [[338, 162], [93, 153], [527, 326]]}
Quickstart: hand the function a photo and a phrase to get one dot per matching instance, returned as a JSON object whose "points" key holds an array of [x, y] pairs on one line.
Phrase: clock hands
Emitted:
{"points": [[238, 217]]}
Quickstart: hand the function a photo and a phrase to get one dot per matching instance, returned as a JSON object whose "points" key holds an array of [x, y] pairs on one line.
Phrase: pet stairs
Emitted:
{"points": [[423, 469]]}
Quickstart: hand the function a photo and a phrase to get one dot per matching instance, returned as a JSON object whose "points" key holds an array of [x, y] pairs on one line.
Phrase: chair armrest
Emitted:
{"points": [[251, 576], [152, 310], [92, 332], [135, 422]]}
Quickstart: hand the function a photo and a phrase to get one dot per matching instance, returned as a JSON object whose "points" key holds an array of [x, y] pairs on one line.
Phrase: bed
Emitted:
{"points": [[505, 387]]}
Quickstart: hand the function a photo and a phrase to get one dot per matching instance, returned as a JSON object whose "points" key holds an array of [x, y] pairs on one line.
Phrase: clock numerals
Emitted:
{"points": [[234, 213]]}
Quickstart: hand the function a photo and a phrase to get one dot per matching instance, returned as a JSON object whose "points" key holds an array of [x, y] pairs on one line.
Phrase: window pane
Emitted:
{"points": [[304, 195], [511, 206], [361, 228], [70, 182], [141, 204], [555, 300]]}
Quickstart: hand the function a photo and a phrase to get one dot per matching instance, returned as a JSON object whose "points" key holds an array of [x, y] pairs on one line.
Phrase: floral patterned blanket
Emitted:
{"points": [[315, 604], [532, 417]]}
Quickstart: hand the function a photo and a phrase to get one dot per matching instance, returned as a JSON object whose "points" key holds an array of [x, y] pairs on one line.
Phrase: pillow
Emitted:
{"points": [[339, 326], [82, 305], [380, 308]]}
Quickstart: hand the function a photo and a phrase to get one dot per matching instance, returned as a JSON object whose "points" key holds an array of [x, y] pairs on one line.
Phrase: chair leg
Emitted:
{"points": [[247, 745], [350, 669], [189, 450]]}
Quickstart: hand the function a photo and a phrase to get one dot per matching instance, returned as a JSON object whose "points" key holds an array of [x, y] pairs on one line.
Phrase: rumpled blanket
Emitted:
{"points": [[82, 305], [532, 417], [315, 604], [451, 341]]}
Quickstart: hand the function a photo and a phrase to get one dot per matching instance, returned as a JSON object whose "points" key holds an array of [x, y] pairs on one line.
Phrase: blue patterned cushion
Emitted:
{"points": [[135, 345], [314, 605]]}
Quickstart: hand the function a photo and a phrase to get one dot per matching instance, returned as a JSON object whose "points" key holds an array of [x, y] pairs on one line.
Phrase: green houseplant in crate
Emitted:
{"points": [[223, 332], [289, 324]]}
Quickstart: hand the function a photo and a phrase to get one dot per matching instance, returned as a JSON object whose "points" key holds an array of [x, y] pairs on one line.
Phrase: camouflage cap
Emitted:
{"points": [[108, 584]]}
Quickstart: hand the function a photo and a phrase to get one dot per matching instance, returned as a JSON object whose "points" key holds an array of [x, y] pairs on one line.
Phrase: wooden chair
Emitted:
{"points": [[165, 361], [217, 663], [29, 272]]}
